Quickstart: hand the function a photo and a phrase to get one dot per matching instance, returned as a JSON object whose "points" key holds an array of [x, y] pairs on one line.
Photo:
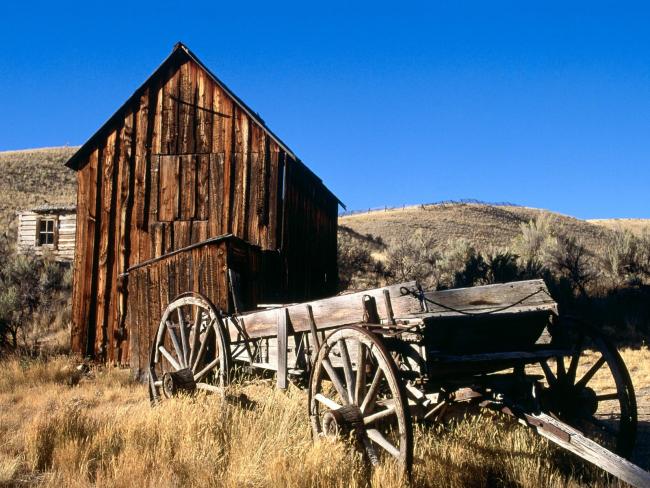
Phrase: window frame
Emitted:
{"points": [[42, 243]]}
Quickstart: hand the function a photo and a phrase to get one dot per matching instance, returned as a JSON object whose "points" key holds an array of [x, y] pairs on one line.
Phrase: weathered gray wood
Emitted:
{"points": [[389, 308], [573, 441], [329, 312], [348, 309], [370, 314], [283, 323], [491, 298]]}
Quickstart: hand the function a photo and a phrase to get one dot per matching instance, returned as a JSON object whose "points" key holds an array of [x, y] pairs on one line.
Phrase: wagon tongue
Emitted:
{"points": [[572, 440]]}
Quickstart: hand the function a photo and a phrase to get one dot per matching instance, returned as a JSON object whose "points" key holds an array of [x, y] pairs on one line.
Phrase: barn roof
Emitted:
{"points": [[77, 160]]}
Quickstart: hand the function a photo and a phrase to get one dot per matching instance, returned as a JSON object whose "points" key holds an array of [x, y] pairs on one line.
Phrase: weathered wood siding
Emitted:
{"points": [[64, 232], [180, 162], [199, 268]]}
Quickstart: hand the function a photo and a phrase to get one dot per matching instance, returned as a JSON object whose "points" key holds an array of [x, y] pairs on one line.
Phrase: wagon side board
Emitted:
{"points": [[478, 305]]}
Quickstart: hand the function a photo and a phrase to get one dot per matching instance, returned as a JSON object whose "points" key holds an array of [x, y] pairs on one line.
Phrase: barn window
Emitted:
{"points": [[46, 232]]}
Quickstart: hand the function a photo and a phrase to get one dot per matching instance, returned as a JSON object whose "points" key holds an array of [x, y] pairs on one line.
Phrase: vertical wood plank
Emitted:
{"points": [[204, 113], [202, 187], [169, 139], [169, 184], [124, 232], [187, 188], [216, 202], [283, 324], [187, 108]]}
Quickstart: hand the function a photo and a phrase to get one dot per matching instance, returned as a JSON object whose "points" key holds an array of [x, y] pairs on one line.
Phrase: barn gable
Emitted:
{"points": [[184, 160]]}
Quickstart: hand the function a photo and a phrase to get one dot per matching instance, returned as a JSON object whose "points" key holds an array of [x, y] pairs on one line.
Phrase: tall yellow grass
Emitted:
{"points": [[59, 429]]}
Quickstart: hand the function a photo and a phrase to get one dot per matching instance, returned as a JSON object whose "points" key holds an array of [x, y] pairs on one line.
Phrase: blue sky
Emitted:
{"points": [[543, 104]]}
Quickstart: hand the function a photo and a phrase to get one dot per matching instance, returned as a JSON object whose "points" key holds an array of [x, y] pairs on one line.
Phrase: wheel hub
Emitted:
{"points": [[341, 421], [572, 403], [176, 382]]}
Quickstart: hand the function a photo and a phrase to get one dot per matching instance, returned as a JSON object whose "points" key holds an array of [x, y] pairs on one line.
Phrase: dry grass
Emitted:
{"points": [[61, 429], [34, 177], [636, 226], [483, 225]]}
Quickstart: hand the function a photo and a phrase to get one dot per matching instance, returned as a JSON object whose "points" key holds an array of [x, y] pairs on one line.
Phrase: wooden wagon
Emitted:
{"points": [[378, 360]]}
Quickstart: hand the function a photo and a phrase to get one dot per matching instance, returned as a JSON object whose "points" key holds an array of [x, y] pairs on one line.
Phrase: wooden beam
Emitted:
{"points": [[282, 328]]}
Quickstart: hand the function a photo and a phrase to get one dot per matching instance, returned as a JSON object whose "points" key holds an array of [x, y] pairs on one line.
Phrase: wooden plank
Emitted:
{"points": [[78, 285], [157, 233], [216, 197], [204, 118], [252, 211], [199, 231], [491, 298], [169, 185], [573, 441], [182, 233], [331, 312], [93, 256], [155, 189], [169, 139], [282, 329], [168, 238], [141, 162], [203, 187], [187, 108], [106, 249], [123, 234], [187, 188]]}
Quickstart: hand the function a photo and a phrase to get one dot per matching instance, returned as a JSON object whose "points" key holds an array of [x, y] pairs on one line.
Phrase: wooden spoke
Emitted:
{"points": [[336, 381], [201, 353], [369, 399], [561, 370], [550, 377], [183, 332], [177, 347], [347, 369], [196, 339], [360, 382], [607, 396], [331, 404], [208, 387], [169, 358], [379, 439], [575, 359], [590, 374], [379, 415], [206, 370]]}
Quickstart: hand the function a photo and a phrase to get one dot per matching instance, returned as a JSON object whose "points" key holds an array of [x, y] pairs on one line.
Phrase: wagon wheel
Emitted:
{"points": [[190, 347], [355, 389], [591, 389]]}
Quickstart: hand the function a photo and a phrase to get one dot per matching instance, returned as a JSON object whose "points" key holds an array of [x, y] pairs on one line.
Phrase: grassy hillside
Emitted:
{"points": [[483, 225], [636, 226], [33, 177]]}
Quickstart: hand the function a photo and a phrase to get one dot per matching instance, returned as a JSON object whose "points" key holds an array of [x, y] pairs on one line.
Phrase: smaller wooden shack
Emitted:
{"points": [[48, 229]]}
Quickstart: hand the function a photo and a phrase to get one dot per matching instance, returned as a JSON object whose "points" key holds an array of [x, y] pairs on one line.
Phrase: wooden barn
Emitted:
{"points": [[47, 229], [183, 189]]}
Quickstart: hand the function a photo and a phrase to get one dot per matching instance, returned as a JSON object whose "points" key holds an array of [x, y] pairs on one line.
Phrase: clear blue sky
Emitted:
{"points": [[544, 105]]}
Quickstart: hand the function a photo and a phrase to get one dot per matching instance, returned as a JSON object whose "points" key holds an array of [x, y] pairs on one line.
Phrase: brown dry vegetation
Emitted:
{"points": [[33, 177], [60, 428], [636, 226], [483, 225]]}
